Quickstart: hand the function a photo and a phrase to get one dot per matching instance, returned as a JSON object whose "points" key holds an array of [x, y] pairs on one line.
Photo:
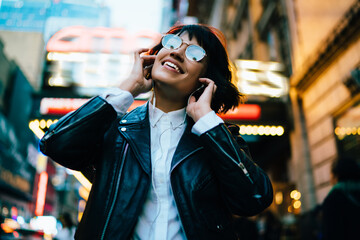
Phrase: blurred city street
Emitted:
{"points": [[297, 62]]}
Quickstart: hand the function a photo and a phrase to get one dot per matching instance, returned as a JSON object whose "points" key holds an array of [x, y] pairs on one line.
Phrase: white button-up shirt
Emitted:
{"points": [[159, 219]]}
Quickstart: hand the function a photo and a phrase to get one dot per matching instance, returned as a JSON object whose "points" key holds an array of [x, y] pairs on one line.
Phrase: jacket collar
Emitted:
{"points": [[135, 127]]}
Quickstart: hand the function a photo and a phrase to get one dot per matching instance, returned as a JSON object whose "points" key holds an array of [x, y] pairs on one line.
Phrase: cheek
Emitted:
{"points": [[198, 70], [156, 65], [204, 68]]}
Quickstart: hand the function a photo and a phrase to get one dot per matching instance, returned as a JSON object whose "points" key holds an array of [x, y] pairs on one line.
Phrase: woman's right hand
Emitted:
{"points": [[136, 83]]}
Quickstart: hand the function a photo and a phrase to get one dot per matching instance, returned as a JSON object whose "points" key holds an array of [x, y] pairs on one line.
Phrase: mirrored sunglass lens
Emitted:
{"points": [[171, 41], [195, 53]]}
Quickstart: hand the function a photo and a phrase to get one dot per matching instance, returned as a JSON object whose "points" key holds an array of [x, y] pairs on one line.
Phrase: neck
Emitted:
{"points": [[167, 104]]}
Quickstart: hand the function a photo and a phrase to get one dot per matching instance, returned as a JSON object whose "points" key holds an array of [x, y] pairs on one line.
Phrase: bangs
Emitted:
{"points": [[201, 34]]}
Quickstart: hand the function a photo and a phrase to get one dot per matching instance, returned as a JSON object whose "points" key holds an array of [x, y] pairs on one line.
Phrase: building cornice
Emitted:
{"points": [[345, 33]]}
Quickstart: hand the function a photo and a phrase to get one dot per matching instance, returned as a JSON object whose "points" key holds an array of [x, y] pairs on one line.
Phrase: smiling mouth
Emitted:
{"points": [[173, 66]]}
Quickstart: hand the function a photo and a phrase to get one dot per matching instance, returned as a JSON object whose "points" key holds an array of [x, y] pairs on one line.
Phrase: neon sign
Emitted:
{"points": [[41, 194], [100, 39]]}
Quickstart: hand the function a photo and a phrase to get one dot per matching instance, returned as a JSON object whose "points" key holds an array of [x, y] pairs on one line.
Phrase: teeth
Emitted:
{"points": [[170, 64]]}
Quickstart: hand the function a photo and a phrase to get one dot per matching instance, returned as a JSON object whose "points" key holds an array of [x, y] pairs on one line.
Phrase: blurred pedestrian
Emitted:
{"points": [[310, 227], [170, 169], [341, 207], [269, 226], [67, 231]]}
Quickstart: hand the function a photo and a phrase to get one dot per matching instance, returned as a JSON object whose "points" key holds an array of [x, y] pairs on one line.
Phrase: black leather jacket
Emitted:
{"points": [[212, 176]]}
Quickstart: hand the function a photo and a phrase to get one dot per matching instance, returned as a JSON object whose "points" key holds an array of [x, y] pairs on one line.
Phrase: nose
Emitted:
{"points": [[179, 53]]}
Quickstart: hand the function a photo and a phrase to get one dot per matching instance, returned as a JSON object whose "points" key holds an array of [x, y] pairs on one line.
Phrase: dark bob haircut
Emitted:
{"points": [[227, 95]]}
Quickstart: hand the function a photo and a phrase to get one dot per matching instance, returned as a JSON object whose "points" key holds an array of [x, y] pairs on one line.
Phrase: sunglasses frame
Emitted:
{"points": [[181, 43]]}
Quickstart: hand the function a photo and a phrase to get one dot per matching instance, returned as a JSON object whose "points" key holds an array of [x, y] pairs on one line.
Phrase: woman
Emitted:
{"points": [[170, 169]]}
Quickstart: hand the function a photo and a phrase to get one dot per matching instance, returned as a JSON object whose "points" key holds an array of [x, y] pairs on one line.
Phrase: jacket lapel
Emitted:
{"points": [[135, 128], [188, 144]]}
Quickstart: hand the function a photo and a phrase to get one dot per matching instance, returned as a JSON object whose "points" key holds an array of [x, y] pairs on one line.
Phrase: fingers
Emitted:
{"points": [[140, 55], [148, 59], [143, 62], [138, 52], [210, 88]]}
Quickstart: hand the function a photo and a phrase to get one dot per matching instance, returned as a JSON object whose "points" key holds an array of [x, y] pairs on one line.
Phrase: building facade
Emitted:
{"points": [[325, 89], [318, 43]]}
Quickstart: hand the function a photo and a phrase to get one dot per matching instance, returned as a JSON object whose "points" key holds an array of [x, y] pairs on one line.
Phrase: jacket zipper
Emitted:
{"points": [[239, 164], [115, 193]]}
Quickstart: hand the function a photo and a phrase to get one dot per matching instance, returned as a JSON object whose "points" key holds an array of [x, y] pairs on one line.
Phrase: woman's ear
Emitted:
{"points": [[148, 70]]}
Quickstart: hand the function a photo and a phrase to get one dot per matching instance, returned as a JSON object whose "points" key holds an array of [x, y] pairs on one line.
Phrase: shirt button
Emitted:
{"points": [[123, 129]]}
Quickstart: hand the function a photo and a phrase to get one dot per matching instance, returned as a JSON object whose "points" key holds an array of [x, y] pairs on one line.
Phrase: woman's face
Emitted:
{"points": [[174, 74]]}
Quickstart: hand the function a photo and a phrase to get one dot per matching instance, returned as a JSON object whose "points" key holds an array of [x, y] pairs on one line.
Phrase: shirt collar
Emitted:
{"points": [[176, 118]]}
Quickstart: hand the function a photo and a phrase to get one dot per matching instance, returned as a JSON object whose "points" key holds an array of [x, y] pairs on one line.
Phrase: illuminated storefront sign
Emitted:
{"points": [[261, 78], [91, 59]]}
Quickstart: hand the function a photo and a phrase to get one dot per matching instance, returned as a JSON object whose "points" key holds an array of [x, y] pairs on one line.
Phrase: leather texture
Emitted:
{"points": [[212, 176]]}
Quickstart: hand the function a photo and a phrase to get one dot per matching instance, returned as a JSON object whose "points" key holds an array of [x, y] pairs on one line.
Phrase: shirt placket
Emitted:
{"points": [[161, 182]]}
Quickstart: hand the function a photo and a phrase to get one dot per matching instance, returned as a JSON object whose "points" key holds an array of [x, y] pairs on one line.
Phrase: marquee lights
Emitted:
{"points": [[39, 126], [261, 130], [341, 132]]}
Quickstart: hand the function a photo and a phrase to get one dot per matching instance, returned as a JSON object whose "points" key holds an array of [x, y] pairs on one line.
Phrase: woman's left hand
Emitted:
{"points": [[137, 83], [199, 108]]}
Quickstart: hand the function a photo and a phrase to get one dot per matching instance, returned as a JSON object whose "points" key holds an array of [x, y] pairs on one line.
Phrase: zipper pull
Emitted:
{"points": [[243, 168]]}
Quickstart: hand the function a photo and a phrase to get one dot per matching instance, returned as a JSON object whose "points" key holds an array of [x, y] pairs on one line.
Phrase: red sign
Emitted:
{"points": [[243, 112], [62, 106]]}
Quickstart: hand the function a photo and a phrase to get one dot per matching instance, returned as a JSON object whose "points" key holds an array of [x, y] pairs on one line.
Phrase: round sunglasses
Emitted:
{"points": [[192, 52]]}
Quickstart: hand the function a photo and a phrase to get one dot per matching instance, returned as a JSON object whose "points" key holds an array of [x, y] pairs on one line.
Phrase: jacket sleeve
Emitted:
{"points": [[247, 190], [74, 140]]}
